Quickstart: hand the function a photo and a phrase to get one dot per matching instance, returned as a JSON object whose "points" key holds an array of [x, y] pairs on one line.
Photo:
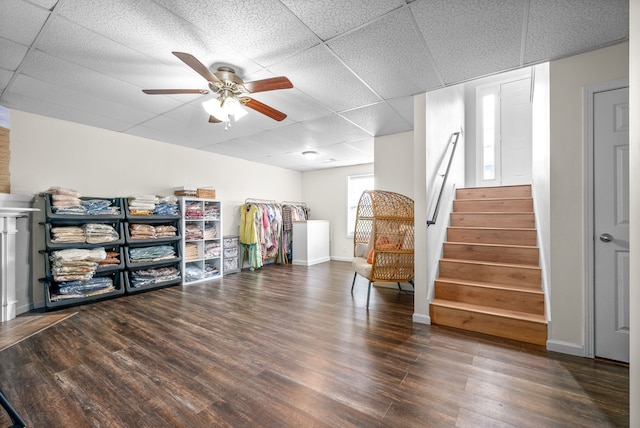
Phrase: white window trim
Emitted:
{"points": [[351, 225]]}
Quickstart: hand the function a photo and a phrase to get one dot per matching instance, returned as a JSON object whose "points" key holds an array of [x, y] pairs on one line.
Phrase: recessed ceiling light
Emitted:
{"points": [[310, 154]]}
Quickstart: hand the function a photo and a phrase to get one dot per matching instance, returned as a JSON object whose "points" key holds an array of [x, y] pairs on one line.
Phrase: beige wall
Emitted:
{"points": [[437, 115], [325, 191], [394, 163], [50, 152], [568, 77]]}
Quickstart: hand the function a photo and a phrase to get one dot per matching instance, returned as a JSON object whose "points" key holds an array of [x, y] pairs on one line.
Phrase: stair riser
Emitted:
{"points": [[513, 300], [499, 254], [494, 206], [524, 331], [494, 192], [490, 236], [505, 275], [515, 220]]}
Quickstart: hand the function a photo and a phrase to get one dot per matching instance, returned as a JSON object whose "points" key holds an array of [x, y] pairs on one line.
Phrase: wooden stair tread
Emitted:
{"points": [[488, 310], [481, 262], [489, 285], [482, 244], [492, 213], [492, 228], [506, 198]]}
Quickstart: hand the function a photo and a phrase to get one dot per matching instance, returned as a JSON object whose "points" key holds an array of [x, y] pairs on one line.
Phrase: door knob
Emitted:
{"points": [[605, 237]]}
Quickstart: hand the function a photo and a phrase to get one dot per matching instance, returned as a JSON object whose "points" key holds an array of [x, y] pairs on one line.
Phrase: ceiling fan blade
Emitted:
{"points": [[268, 84], [214, 120], [263, 108], [196, 65], [175, 91]]}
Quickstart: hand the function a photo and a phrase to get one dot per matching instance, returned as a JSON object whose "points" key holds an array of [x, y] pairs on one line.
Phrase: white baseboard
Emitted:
{"points": [[342, 259], [566, 348], [310, 262], [421, 319]]}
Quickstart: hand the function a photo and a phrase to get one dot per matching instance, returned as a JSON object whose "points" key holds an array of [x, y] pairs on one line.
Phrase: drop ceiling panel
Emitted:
{"points": [[297, 105], [365, 147], [118, 112], [404, 107], [64, 74], [583, 24], [263, 30], [78, 45], [319, 74], [45, 107], [329, 18], [378, 119], [12, 54], [21, 21], [322, 132], [389, 55], [471, 38], [5, 76], [92, 58]]}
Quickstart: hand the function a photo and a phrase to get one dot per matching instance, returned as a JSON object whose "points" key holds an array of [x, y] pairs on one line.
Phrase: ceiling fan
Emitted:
{"points": [[230, 89]]}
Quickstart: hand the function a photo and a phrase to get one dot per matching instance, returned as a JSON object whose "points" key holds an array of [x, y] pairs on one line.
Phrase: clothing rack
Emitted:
{"points": [[256, 252], [260, 201], [303, 204]]}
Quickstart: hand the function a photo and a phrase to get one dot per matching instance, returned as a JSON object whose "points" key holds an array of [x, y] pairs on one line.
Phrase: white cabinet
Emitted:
{"points": [[202, 239], [311, 242]]}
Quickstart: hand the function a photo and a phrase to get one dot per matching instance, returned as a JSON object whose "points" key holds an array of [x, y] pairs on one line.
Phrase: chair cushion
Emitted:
{"points": [[361, 266], [360, 249]]}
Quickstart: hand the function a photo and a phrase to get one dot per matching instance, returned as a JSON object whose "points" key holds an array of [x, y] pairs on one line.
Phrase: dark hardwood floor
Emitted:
{"points": [[289, 346]]}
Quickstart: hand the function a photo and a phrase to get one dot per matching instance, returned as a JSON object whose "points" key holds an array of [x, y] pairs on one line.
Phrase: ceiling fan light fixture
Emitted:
{"points": [[224, 109], [310, 154]]}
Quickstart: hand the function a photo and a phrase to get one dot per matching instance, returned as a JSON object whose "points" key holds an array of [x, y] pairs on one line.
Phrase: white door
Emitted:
{"points": [[503, 127], [611, 223], [515, 127]]}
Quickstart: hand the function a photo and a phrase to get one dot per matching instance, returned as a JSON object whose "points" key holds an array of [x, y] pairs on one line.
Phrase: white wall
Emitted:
{"points": [[540, 171], [393, 156], [634, 189], [49, 152], [435, 118], [567, 290], [325, 191]]}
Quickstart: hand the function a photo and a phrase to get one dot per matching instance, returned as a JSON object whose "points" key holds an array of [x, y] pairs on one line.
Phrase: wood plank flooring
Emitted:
{"points": [[289, 346]]}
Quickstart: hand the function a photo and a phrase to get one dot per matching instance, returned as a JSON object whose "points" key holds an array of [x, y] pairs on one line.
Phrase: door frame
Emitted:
{"points": [[588, 93]]}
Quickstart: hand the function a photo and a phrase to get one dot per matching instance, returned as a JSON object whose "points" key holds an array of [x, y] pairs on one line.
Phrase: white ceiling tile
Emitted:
{"points": [[61, 73], [404, 107], [319, 74], [296, 104], [45, 107], [47, 4], [78, 101], [583, 24], [363, 146], [470, 38], [12, 54], [263, 30], [93, 57], [21, 21], [389, 55], [328, 18], [378, 119], [5, 77], [322, 132]]}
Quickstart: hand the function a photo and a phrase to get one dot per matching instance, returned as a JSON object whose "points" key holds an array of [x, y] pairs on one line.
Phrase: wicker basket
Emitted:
{"points": [[206, 193]]}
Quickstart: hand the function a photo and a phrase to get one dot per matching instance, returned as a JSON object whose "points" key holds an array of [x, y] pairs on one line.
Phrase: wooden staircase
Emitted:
{"points": [[490, 280]]}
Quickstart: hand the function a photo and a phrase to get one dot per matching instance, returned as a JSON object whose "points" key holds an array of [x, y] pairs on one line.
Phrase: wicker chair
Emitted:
{"points": [[383, 240]]}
